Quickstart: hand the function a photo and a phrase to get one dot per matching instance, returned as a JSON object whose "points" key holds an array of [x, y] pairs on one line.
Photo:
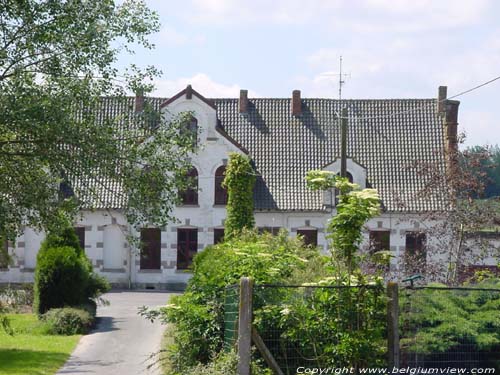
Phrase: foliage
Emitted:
{"points": [[354, 208], [64, 275], [61, 277], [486, 166], [239, 181], [225, 364], [324, 326], [448, 319], [57, 63], [31, 350], [198, 313], [458, 229], [352, 334], [68, 321]]}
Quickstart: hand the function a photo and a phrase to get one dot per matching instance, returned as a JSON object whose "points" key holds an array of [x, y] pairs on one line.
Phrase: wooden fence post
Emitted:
{"points": [[245, 326], [393, 325]]}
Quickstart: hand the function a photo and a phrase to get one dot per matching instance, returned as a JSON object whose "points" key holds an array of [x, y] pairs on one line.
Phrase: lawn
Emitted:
{"points": [[32, 351]]}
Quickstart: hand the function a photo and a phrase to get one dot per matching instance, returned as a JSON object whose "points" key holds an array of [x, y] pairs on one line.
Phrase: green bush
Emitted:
{"points": [[64, 275], [68, 321], [225, 364], [198, 314], [61, 278]]}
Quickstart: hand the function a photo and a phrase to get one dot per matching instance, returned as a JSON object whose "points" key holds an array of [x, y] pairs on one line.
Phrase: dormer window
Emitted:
{"points": [[190, 195], [220, 191]]}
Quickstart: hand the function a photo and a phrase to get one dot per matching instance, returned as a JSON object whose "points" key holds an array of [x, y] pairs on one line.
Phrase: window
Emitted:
{"points": [[380, 240], [187, 246], [309, 236], [4, 255], [337, 192], [273, 230], [190, 195], [80, 233], [218, 235], [191, 130], [220, 192], [415, 247], [150, 249]]}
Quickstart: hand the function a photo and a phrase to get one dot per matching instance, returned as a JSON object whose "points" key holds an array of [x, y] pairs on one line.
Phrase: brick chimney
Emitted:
{"points": [[451, 123], [139, 101], [448, 110], [243, 101], [296, 106], [189, 92], [442, 95]]}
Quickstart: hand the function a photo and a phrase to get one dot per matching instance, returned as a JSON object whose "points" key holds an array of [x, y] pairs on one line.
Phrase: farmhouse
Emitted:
{"points": [[285, 138]]}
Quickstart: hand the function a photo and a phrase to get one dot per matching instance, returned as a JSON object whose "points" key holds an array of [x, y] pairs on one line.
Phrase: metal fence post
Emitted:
{"points": [[393, 325], [245, 326]]}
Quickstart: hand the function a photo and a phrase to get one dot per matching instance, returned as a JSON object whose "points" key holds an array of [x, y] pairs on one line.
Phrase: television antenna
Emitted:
{"points": [[342, 77]]}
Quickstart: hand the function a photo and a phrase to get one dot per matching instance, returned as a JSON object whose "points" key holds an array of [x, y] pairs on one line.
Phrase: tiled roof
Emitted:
{"points": [[284, 147]]}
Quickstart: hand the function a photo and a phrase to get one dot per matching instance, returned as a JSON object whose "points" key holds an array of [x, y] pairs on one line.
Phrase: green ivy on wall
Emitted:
{"points": [[239, 181]]}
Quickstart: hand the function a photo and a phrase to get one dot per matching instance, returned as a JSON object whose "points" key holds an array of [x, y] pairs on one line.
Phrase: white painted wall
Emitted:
{"points": [[113, 241], [32, 242]]}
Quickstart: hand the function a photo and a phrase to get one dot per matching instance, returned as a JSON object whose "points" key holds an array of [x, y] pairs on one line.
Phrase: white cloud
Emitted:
{"points": [[200, 82], [234, 12], [362, 16], [172, 37]]}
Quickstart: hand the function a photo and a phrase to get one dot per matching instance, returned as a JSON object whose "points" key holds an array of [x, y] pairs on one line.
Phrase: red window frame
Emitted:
{"points": [[219, 191], [150, 257], [218, 235], [310, 236], [187, 247], [190, 195], [380, 240], [80, 233]]}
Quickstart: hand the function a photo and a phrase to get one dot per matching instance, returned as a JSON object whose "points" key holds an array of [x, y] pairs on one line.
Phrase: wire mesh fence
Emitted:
{"points": [[322, 326], [450, 328], [231, 303]]}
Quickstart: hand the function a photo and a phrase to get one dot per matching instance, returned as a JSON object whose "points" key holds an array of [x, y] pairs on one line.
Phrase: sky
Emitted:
{"points": [[390, 49]]}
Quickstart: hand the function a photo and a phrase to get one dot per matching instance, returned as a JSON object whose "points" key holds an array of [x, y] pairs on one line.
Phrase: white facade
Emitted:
{"points": [[106, 231]]}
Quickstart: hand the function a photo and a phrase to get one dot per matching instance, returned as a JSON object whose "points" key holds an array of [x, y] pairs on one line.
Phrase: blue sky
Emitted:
{"points": [[391, 48]]}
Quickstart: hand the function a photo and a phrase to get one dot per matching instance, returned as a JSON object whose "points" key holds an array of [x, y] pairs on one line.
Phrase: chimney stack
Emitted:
{"points": [[139, 101], [296, 103], [442, 95], [243, 101]]}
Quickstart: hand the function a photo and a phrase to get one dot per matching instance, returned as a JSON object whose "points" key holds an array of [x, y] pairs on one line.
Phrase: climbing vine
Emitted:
{"points": [[354, 208], [239, 181]]}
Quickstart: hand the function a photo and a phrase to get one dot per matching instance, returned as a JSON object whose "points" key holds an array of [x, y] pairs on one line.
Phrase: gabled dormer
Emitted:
{"points": [[355, 172], [204, 116]]}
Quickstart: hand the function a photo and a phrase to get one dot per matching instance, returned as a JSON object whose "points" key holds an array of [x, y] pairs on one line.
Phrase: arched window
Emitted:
{"points": [[220, 192], [190, 195], [191, 130]]}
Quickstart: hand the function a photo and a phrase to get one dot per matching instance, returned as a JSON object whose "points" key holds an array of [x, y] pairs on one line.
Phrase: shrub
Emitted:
{"points": [[61, 278], [64, 275], [225, 364], [68, 321], [198, 314]]}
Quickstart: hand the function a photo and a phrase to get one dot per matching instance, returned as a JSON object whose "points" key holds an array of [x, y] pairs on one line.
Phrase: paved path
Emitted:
{"points": [[122, 341]]}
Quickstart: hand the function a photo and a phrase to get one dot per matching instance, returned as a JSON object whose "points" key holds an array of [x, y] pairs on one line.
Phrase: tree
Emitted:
{"points": [[487, 166], [465, 215], [57, 61], [239, 180]]}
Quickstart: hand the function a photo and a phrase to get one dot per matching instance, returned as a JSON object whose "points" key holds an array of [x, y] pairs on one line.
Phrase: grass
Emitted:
{"points": [[167, 340], [31, 350]]}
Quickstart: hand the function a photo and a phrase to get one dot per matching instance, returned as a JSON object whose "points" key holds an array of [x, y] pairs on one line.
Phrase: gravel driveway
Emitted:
{"points": [[122, 341]]}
